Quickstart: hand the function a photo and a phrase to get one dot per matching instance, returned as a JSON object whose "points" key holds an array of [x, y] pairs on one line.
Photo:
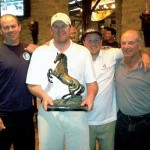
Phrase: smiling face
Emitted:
{"points": [[109, 36], [93, 42], [60, 32], [131, 43], [10, 30]]}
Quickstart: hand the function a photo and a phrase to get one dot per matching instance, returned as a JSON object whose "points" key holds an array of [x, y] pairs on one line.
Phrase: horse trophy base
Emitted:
{"points": [[71, 104]]}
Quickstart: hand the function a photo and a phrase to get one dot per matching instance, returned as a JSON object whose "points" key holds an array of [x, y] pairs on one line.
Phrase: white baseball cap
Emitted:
{"points": [[61, 17]]}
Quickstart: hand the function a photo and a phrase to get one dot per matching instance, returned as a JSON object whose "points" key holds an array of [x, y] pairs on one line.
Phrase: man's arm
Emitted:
{"points": [[146, 50], [31, 48], [145, 54], [39, 92], [92, 89]]}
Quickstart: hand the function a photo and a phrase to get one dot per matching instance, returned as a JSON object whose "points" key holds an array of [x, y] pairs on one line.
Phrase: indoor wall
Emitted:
{"points": [[127, 16]]}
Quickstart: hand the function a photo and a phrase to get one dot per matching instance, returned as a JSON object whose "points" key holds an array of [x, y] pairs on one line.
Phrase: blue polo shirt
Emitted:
{"points": [[14, 62]]}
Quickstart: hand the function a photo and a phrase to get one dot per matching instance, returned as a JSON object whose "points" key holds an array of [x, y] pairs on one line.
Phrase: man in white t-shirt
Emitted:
{"points": [[55, 126], [102, 118]]}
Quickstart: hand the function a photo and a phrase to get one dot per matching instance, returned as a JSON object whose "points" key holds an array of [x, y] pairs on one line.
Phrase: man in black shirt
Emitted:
{"points": [[16, 109], [109, 38]]}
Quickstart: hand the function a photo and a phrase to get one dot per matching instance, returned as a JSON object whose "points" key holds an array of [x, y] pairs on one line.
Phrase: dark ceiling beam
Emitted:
{"points": [[87, 10], [93, 9]]}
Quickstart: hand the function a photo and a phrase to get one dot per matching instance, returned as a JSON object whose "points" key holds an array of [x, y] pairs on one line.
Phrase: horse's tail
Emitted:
{"points": [[82, 88]]}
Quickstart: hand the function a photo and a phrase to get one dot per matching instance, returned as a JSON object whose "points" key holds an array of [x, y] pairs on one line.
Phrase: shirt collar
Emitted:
{"points": [[139, 63], [52, 44]]}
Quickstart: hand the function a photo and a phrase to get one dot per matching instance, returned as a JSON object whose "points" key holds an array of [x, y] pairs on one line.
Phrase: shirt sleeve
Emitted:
{"points": [[37, 71], [117, 53]]}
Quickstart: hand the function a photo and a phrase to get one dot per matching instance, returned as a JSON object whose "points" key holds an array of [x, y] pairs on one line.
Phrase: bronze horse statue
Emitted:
{"points": [[61, 72]]}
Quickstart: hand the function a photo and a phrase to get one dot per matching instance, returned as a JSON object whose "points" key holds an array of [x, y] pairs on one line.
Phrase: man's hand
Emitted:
{"points": [[87, 101], [39, 92], [2, 125], [30, 48], [92, 89], [47, 101]]}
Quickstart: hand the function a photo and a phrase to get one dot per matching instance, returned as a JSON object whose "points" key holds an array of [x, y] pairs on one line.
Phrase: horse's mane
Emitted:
{"points": [[64, 59], [62, 65]]}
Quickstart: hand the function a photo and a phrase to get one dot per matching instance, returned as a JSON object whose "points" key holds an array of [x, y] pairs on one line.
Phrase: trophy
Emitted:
{"points": [[72, 100]]}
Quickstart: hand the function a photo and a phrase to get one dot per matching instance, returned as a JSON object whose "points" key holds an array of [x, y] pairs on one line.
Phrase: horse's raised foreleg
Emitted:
{"points": [[49, 75]]}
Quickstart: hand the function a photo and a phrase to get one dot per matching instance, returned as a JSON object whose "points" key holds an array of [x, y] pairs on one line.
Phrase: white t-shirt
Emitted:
{"points": [[80, 67], [104, 110]]}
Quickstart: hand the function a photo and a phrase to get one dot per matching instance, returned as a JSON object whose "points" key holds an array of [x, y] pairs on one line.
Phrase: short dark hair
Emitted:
{"points": [[112, 30]]}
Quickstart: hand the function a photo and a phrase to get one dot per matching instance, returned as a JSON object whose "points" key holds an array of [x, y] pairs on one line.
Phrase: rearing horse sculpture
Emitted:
{"points": [[61, 72]]}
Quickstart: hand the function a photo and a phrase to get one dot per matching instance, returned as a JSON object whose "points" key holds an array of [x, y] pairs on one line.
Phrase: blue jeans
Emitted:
{"points": [[132, 133]]}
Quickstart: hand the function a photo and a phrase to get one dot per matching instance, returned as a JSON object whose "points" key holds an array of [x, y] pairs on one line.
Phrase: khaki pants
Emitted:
{"points": [[104, 134]]}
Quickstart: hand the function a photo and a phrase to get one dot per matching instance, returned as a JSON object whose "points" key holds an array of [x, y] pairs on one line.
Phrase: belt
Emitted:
{"points": [[137, 118]]}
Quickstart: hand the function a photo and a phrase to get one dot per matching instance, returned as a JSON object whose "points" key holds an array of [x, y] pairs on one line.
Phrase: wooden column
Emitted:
{"points": [[145, 18], [86, 14]]}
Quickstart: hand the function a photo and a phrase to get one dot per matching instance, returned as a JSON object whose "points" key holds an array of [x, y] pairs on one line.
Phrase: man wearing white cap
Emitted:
{"points": [[55, 127]]}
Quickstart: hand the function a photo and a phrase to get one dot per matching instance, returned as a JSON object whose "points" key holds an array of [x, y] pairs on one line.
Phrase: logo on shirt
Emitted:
{"points": [[26, 56]]}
